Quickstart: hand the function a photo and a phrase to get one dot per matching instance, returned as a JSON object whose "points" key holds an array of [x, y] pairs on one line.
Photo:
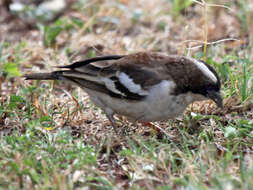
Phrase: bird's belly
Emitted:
{"points": [[161, 108], [152, 108]]}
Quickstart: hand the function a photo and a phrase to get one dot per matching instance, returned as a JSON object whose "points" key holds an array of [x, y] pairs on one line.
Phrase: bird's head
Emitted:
{"points": [[209, 83], [212, 92], [195, 78]]}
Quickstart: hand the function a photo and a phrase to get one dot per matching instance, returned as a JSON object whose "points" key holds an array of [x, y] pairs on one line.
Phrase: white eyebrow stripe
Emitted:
{"points": [[130, 85], [205, 70]]}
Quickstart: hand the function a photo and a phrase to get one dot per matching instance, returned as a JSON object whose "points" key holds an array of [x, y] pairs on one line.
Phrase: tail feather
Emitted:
{"points": [[83, 80], [42, 76]]}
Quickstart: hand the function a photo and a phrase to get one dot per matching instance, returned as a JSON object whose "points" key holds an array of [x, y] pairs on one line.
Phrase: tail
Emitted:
{"points": [[43, 76]]}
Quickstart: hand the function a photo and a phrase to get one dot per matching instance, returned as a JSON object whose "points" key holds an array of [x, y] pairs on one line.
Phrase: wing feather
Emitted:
{"points": [[121, 76]]}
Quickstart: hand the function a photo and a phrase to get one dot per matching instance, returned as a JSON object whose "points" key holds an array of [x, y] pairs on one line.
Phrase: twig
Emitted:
{"points": [[209, 43]]}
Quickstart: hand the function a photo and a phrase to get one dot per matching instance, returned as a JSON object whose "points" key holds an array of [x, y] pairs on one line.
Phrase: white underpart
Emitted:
{"points": [[162, 89], [160, 104], [111, 86], [205, 70], [130, 85]]}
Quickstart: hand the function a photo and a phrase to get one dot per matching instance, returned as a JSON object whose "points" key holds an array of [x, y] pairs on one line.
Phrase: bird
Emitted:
{"points": [[143, 86]]}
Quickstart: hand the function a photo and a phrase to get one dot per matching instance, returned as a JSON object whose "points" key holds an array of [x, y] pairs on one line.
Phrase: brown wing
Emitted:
{"points": [[128, 77]]}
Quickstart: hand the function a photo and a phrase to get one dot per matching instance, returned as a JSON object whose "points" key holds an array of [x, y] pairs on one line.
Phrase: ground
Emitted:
{"points": [[53, 137]]}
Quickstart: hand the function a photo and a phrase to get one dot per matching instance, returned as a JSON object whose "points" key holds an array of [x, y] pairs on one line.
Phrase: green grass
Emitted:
{"points": [[201, 152], [39, 159]]}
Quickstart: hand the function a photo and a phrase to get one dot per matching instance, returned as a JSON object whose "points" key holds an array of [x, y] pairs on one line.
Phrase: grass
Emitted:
{"points": [[53, 137]]}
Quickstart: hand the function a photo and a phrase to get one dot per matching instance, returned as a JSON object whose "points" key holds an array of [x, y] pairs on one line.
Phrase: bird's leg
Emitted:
{"points": [[148, 124], [157, 128], [114, 124], [152, 126]]}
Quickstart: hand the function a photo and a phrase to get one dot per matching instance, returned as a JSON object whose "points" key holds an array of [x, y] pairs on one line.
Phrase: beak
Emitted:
{"points": [[216, 97]]}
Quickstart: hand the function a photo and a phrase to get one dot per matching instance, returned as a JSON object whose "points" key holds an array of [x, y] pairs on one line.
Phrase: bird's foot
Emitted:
{"points": [[156, 128], [152, 126]]}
